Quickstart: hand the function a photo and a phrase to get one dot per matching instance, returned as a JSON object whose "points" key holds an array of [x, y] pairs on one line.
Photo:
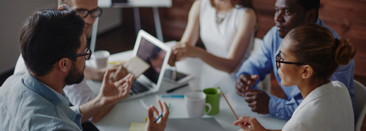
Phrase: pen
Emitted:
{"points": [[173, 89], [160, 114], [172, 96], [159, 117]]}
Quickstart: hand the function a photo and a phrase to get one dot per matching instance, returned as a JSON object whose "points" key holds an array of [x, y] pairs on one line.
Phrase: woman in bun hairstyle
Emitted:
{"points": [[308, 57]]}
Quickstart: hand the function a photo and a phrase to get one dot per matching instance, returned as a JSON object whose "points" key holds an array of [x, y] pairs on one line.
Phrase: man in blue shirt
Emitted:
{"points": [[81, 93], [54, 49], [289, 14]]}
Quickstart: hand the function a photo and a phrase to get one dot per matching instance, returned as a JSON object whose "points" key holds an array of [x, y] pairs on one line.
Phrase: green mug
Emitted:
{"points": [[213, 97]]}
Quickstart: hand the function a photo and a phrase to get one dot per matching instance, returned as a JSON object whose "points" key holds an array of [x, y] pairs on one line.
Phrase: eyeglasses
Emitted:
{"points": [[86, 55], [94, 13], [279, 60]]}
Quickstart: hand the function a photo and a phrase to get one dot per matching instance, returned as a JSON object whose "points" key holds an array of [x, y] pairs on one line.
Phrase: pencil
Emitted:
{"points": [[222, 93]]}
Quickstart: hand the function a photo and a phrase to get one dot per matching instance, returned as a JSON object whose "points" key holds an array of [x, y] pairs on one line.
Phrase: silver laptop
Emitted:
{"points": [[156, 54]]}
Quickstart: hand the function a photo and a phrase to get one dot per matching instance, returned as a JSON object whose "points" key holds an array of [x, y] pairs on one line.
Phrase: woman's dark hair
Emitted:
{"points": [[243, 3], [315, 45], [49, 35]]}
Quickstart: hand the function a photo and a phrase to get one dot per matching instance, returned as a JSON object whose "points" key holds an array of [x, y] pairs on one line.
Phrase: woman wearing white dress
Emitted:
{"points": [[308, 56], [226, 28]]}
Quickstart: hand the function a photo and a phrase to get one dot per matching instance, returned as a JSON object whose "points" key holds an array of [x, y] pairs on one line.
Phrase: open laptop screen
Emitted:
{"points": [[154, 56]]}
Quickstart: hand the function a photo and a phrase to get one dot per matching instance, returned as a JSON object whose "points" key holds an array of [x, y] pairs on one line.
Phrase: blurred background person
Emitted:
{"points": [[226, 28]]}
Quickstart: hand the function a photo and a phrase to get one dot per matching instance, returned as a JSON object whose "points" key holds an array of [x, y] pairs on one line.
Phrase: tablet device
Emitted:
{"points": [[170, 76]]}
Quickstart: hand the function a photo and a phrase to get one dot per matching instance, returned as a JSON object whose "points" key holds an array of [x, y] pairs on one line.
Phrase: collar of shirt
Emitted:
{"points": [[317, 93], [36, 86], [61, 96]]}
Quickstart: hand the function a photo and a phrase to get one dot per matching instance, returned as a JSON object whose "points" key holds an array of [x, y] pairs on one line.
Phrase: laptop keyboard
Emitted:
{"points": [[137, 87]]}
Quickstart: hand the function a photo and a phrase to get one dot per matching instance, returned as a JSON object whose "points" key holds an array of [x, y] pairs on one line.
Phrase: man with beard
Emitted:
{"points": [[54, 49], [289, 14], [81, 93]]}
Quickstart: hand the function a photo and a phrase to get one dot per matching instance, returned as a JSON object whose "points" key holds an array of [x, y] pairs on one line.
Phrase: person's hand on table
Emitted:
{"points": [[161, 123], [244, 82], [258, 100], [249, 124], [112, 92]]}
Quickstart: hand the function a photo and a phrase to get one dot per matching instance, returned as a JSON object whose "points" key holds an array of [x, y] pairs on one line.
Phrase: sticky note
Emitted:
{"points": [[136, 66], [137, 126], [116, 62]]}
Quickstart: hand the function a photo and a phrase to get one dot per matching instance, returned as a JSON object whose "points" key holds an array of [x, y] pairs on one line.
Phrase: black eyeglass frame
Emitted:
{"points": [[90, 12], [86, 55], [279, 58]]}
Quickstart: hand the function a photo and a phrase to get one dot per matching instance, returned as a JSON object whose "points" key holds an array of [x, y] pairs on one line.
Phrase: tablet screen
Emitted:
{"points": [[170, 75], [154, 56]]}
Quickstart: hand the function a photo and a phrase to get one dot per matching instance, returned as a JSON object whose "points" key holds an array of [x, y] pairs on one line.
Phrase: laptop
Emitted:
{"points": [[156, 54]]}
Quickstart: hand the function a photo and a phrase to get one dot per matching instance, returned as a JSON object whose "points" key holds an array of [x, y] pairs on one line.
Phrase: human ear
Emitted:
{"points": [[307, 72], [310, 16], [63, 64], [60, 8], [63, 7]]}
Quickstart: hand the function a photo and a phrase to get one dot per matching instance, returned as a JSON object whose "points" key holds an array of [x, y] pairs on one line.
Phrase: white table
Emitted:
{"points": [[123, 113]]}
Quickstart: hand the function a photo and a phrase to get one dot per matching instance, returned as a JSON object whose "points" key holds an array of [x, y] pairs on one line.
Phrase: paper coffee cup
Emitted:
{"points": [[101, 58]]}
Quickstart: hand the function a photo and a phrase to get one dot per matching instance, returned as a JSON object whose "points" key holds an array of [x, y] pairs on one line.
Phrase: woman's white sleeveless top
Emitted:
{"points": [[218, 37]]}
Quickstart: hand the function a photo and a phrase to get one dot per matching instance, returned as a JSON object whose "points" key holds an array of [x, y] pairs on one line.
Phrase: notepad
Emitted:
{"points": [[137, 126], [136, 66], [116, 62]]}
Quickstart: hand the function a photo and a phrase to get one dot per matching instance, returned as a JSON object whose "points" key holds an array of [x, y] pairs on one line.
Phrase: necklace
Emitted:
{"points": [[219, 18]]}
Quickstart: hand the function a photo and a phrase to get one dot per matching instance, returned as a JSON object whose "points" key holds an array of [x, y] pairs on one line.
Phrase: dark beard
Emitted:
{"points": [[74, 77]]}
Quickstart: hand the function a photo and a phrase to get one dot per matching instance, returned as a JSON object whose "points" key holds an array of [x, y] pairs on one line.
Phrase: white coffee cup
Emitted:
{"points": [[101, 58], [195, 103]]}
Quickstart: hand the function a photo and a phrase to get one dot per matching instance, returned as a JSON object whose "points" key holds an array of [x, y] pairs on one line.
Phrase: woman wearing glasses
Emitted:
{"points": [[308, 56]]}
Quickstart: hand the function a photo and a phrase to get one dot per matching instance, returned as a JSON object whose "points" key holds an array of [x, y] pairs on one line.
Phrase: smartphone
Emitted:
{"points": [[169, 75]]}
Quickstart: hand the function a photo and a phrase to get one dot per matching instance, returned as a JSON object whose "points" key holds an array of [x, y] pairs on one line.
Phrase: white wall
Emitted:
{"points": [[14, 12]]}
